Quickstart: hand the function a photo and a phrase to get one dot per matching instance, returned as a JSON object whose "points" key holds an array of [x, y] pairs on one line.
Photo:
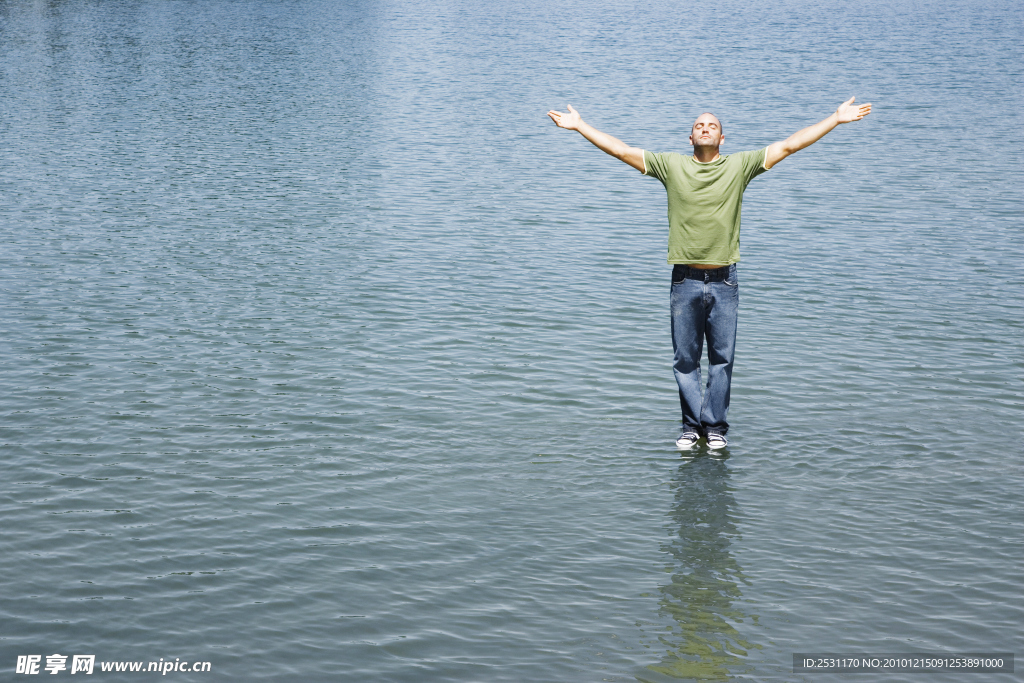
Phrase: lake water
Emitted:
{"points": [[326, 356]]}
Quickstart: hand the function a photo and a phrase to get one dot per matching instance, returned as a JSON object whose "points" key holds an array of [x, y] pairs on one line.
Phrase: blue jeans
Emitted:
{"points": [[704, 305]]}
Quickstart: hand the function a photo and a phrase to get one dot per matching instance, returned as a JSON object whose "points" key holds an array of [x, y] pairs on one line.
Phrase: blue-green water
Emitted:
{"points": [[326, 356]]}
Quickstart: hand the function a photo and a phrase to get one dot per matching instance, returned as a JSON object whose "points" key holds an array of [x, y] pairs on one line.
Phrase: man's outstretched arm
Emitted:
{"points": [[847, 111], [606, 143]]}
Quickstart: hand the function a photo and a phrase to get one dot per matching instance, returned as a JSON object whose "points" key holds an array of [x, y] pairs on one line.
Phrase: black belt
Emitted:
{"points": [[682, 272]]}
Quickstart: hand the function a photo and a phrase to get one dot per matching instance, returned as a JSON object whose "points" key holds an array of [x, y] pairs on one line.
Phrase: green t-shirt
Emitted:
{"points": [[704, 203]]}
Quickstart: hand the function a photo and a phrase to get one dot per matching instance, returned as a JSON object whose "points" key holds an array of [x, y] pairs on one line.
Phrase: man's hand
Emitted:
{"points": [[848, 111], [570, 121]]}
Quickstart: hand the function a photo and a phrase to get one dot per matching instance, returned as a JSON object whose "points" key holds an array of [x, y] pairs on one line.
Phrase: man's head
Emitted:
{"points": [[707, 131]]}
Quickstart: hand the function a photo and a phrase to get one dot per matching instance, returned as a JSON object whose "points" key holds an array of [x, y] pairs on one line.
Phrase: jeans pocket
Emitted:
{"points": [[732, 279]]}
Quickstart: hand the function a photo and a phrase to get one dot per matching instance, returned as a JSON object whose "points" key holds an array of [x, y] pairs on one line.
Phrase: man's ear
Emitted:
{"points": [[721, 140]]}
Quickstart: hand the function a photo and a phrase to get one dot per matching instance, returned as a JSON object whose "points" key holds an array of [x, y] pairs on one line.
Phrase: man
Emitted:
{"points": [[705, 195]]}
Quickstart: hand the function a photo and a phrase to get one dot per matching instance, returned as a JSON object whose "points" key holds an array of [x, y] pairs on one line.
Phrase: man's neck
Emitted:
{"points": [[705, 154]]}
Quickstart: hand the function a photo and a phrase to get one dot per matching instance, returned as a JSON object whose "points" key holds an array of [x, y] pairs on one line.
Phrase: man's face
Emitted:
{"points": [[706, 132]]}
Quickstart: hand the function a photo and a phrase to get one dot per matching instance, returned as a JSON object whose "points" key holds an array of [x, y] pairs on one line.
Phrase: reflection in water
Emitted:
{"points": [[702, 644]]}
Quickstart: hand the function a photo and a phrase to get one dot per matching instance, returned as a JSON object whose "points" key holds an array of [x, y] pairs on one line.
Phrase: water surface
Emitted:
{"points": [[327, 355]]}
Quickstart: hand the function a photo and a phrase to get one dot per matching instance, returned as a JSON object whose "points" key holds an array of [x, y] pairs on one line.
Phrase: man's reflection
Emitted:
{"points": [[703, 643]]}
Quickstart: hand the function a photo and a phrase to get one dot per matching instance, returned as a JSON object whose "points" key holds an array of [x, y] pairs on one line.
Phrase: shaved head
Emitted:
{"points": [[707, 113]]}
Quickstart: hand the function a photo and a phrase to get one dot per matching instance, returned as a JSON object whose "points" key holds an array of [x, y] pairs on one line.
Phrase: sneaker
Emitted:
{"points": [[687, 440], [716, 441]]}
